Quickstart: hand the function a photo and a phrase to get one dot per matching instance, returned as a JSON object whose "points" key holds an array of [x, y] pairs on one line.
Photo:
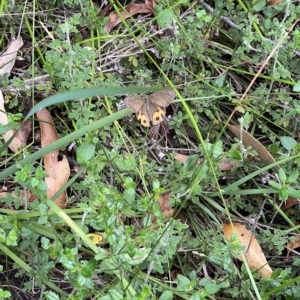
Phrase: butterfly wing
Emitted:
{"points": [[156, 113], [162, 98], [157, 103], [143, 115], [138, 105], [134, 103]]}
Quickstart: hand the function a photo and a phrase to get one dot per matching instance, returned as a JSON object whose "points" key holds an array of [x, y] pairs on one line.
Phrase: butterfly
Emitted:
{"points": [[150, 107]]}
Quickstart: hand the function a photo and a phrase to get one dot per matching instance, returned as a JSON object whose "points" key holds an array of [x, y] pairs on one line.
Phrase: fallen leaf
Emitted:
{"points": [[7, 60], [248, 140], [150, 3], [16, 143], [58, 170], [289, 203], [293, 245], [24, 132], [104, 11], [252, 250], [165, 206], [273, 2], [127, 12]]}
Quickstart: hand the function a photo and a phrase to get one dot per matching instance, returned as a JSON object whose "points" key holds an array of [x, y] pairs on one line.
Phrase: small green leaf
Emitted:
{"points": [[88, 270], [288, 142], [259, 5], [274, 184], [281, 175], [234, 154], [51, 296], [101, 254], [296, 87], [167, 295], [293, 176], [211, 288], [294, 193], [42, 220], [85, 152], [284, 193], [42, 208], [182, 281], [165, 17]]}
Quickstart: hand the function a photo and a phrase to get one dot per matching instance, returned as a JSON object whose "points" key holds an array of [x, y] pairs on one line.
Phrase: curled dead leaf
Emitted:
{"points": [[165, 206], [7, 60], [248, 140], [293, 245], [252, 250], [273, 2], [57, 169], [127, 12]]}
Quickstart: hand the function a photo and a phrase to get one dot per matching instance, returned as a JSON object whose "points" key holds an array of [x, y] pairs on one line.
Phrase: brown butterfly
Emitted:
{"points": [[151, 107]]}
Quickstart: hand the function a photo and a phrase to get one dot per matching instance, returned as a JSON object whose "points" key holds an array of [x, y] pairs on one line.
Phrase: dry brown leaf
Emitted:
{"points": [[16, 142], [7, 60], [104, 11], [24, 132], [274, 2], [290, 202], [226, 165], [129, 11], [165, 207], [254, 256], [248, 140], [58, 170], [293, 245], [150, 3]]}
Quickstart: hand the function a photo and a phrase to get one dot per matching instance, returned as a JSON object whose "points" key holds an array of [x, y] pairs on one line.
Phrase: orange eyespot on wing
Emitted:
{"points": [[143, 119], [158, 116]]}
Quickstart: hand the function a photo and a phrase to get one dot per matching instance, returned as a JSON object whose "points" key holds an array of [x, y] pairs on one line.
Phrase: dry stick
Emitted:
{"points": [[260, 70]]}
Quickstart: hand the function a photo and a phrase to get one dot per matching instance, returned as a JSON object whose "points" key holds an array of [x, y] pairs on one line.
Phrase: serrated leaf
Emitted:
{"points": [[165, 18]]}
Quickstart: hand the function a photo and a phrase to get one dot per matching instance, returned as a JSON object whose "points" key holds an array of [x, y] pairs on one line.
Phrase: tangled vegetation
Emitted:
{"points": [[94, 205]]}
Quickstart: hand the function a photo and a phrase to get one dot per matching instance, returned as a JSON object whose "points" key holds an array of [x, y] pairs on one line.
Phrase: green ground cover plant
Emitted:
{"points": [[155, 198]]}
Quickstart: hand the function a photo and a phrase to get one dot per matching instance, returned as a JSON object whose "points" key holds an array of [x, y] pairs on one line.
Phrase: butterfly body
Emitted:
{"points": [[150, 108]]}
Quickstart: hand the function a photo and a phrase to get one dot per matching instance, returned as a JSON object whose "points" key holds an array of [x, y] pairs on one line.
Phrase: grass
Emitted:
{"points": [[155, 198]]}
